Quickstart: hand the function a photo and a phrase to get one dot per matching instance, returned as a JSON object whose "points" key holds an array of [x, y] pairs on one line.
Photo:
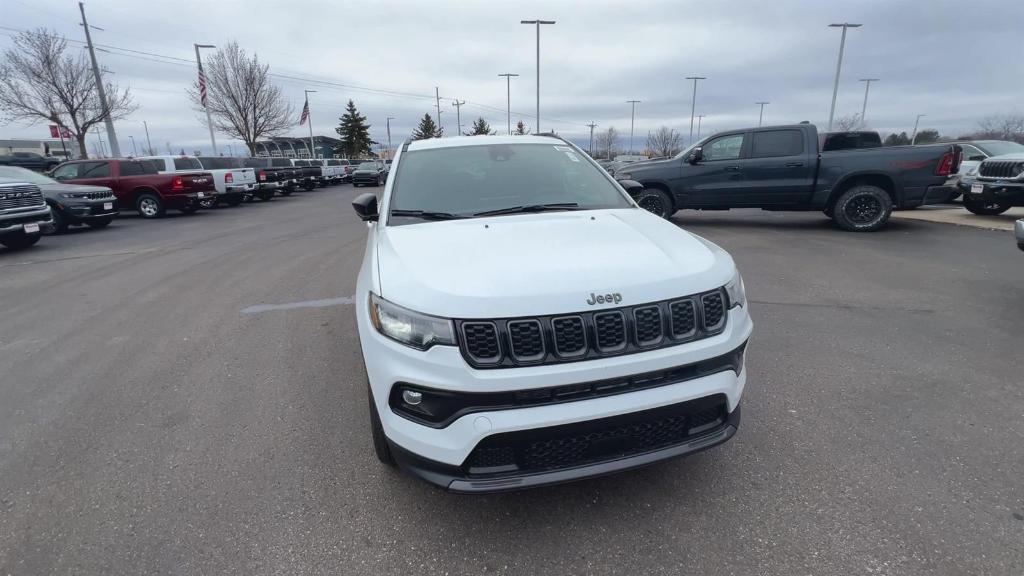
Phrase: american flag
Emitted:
{"points": [[305, 113], [202, 85]]}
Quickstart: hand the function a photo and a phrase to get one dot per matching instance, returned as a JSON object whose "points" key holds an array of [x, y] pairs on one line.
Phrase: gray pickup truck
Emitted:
{"points": [[781, 168], [24, 215]]}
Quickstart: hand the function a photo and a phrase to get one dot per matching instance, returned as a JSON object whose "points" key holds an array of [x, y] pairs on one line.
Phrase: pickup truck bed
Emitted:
{"points": [[780, 168]]}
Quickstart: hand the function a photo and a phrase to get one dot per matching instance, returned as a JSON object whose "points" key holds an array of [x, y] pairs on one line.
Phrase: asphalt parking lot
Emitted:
{"points": [[159, 414]]}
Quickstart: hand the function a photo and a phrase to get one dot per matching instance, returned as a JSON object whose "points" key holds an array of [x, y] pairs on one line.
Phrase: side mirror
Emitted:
{"points": [[696, 155], [365, 206], [632, 187], [976, 158]]}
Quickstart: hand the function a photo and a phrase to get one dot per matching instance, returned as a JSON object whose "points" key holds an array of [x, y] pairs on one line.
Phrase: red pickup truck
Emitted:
{"points": [[137, 184]]}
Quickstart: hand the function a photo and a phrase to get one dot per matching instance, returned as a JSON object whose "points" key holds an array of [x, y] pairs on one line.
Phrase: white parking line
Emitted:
{"points": [[304, 304]]}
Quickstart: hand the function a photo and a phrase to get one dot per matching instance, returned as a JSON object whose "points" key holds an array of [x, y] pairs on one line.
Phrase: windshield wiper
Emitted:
{"points": [[530, 208], [426, 214]]}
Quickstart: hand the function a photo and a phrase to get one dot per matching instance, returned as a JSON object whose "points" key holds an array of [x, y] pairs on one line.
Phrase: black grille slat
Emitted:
{"points": [[713, 306], [527, 339], [998, 169], [647, 324], [506, 343], [683, 318], [610, 329], [570, 335], [481, 340]]}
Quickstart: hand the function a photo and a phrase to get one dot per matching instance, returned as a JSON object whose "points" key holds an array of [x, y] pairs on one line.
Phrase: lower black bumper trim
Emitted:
{"points": [[453, 479]]}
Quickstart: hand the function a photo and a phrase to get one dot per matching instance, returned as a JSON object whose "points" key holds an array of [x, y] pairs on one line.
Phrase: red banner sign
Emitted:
{"points": [[54, 131]]}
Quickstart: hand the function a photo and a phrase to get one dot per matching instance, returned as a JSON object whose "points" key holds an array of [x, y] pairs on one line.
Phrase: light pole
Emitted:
{"points": [[508, 98], [148, 143], [111, 135], [864, 109], [388, 123], [309, 118], [699, 118], [693, 102], [134, 151], [913, 138], [761, 116], [536, 129], [839, 67], [458, 116], [202, 93], [592, 126], [632, 117]]}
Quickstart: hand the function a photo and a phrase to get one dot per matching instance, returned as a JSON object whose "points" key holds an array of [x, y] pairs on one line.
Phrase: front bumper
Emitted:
{"points": [[466, 480], [85, 211], [13, 222], [1011, 191], [443, 368], [364, 179]]}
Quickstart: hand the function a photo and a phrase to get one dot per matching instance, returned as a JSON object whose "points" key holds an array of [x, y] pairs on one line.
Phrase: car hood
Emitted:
{"points": [[548, 263], [58, 187], [1006, 157]]}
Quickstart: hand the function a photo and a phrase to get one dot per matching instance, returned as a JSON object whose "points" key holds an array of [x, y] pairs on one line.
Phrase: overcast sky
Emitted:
{"points": [[934, 57]]}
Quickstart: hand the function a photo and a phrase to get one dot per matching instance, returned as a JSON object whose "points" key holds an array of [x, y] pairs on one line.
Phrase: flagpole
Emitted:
{"points": [[202, 94], [309, 118]]}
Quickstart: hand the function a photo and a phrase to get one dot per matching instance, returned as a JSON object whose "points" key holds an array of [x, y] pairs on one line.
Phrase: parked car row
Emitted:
{"points": [[94, 192]]}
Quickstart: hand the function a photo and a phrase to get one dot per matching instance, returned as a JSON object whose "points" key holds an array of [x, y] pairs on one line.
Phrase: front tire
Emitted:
{"points": [[60, 222], [380, 441], [149, 205], [863, 208], [982, 208], [656, 202], [19, 241], [234, 200]]}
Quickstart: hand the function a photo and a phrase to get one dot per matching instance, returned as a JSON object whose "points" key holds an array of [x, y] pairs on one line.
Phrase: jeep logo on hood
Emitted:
{"points": [[614, 297]]}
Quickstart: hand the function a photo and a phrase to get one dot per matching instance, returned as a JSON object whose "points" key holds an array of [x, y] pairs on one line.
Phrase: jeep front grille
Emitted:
{"points": [[510, 342], [991, 169]]}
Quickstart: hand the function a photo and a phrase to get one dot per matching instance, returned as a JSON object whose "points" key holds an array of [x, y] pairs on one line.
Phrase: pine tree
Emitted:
{"points": [[480, 128], [521, 129], [354, 133], [427, 129]]}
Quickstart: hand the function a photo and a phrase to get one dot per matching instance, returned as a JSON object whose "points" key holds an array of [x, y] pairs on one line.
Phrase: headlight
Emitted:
{"points": [[71, 195], [413, 329], [972, 171], [737, 293], [1018, 169]]}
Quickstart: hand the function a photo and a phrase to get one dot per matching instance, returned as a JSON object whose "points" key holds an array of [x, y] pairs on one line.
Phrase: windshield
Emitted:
{"points": [[997, 148], [479, 178], [218, 163], [25, 175], [369, 166]]}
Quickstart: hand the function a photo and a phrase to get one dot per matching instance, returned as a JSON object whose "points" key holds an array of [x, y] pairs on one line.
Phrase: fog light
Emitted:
{"points": [[412, 397]]}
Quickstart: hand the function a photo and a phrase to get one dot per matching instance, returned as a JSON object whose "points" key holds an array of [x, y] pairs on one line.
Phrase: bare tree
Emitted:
{"points": [[1000, 127], [40, 81], [243, 102], [607, 142], [664, 142], [849, 122]]}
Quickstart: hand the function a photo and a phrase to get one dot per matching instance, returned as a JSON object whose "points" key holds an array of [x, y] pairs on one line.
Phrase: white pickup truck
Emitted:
{"points": [[234, 182]]}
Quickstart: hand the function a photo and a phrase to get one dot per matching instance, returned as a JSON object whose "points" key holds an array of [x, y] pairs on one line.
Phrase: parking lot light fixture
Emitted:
{"points": [[699, 118], [864, 109], [693, 102], [537, 23], [508, 98], [913, 137], [760, 117], [632, 117], [839, 67]]}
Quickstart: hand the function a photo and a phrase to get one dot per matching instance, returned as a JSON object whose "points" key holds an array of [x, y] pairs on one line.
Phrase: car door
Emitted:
{"points": [[67, 171], [97, 174], [716, 181], [778, 170]]}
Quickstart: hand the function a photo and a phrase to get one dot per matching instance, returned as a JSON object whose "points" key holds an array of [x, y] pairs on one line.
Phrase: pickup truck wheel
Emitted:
{"points": [[100, 222], [20, 241], [983, 208], [656, 202], [863, 209], [60, 223], [190, 209], [265, 195], [234, 199], [149, 205], [380, 442], [286, 192]]}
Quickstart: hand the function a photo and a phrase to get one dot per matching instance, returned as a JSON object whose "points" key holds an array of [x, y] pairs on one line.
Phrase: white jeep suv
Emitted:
{"points": [[523, 322]]}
